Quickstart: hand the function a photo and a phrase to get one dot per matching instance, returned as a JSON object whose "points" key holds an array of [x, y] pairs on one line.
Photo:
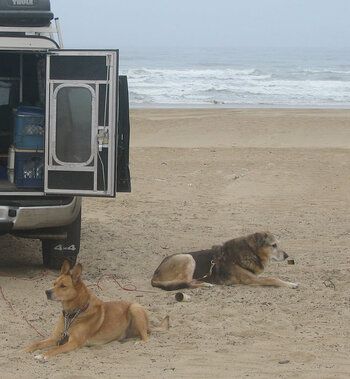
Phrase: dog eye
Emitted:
{"points": [[62, 286], [274, 245]]}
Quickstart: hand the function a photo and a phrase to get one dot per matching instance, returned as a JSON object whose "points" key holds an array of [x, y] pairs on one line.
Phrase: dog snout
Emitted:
{"points": [[49, 294]]}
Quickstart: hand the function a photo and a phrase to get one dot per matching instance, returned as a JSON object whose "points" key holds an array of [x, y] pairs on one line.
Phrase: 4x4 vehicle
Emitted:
{"points": [[64, 129]]}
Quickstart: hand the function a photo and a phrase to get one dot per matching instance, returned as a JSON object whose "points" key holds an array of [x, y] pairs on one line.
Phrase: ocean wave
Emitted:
{"points": [[272, 82]]}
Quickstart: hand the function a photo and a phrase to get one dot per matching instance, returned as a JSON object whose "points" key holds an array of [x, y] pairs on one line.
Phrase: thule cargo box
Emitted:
{"points": [[25, 13]]}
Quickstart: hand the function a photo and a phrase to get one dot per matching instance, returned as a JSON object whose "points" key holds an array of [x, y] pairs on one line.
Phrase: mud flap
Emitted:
{"points": [[123, 172]]}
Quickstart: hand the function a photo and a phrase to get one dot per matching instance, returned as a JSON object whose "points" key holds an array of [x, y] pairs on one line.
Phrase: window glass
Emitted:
{"points": [[78, 67], [73, 124]]}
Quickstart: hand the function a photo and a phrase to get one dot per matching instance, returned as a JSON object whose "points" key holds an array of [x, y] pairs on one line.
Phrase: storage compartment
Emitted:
{"points": [[78, 128], [29, 169], [22, 120], [29, 128]]}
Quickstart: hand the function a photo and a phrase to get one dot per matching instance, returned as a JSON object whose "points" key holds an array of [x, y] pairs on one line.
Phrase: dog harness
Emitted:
{"points": [[68, 321], [215, 262]]}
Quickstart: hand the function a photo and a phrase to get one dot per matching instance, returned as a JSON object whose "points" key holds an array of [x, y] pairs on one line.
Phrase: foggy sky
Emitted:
{"points": [[200, 23]]}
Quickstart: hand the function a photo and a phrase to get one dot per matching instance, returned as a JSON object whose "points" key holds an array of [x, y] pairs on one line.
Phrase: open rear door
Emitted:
{"points": [[81, 114]]}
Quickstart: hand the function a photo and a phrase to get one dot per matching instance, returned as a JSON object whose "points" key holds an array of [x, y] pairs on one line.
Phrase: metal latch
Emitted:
{"points": [[102, 138]]}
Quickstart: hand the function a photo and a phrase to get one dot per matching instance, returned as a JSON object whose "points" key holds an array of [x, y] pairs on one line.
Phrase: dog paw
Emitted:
{"points": [[140, 342], [41, 358], [293, 285], [209, 285]]}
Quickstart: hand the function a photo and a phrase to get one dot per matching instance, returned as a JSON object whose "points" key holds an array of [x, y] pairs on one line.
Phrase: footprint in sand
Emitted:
{"points": [[302, 357]]}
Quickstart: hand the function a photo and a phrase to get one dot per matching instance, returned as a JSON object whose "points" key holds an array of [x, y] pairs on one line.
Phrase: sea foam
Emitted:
{"points": [[234, 78]]}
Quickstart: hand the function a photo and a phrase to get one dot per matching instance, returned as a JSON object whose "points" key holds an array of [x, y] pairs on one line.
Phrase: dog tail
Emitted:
{"points": [[163, 327], [170, 285]]}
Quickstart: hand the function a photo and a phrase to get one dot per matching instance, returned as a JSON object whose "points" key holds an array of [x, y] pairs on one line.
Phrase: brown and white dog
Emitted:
{"points": [[86, 320], [238, 261]]}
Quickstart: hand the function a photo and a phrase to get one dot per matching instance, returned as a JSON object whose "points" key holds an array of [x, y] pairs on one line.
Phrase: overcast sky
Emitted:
{"points": [[199, 23]]}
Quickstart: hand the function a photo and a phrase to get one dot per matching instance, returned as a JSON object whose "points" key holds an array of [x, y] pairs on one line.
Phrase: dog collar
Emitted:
{"points": [[76, 313], [218, 255]]}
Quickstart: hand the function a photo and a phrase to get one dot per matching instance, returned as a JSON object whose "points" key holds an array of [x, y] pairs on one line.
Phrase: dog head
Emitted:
{"points": [[65, 286], [267, 242]]}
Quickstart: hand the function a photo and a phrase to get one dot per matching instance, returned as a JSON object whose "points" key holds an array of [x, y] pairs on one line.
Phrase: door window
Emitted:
{"points": [[73, 124]]}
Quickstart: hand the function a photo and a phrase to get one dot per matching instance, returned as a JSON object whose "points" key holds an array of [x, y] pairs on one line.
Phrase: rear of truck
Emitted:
{"points": [[64, 129]]}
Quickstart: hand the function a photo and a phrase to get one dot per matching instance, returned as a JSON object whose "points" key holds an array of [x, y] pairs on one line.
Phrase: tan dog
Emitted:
{"points": [[88, 320], [237, 261]]}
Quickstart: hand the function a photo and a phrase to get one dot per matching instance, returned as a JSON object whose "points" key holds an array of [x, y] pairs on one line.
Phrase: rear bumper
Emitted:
{"points": [[15, 217]]}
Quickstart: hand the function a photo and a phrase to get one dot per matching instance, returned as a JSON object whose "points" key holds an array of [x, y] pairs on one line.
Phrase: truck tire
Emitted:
{"points": [[55, 252]]}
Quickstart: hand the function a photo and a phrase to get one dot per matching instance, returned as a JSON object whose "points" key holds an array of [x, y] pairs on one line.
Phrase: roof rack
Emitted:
{"points": [[45, 31]]}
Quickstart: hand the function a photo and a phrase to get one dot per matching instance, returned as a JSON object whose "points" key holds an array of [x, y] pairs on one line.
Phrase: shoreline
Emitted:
{"points": [[231, 106]]}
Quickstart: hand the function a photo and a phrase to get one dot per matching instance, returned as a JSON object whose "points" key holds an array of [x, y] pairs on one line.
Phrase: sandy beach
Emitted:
{"points": [[201, 177]]}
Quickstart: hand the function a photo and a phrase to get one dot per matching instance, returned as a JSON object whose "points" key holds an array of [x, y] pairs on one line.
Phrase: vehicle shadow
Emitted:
{"points": [[20, 256]]}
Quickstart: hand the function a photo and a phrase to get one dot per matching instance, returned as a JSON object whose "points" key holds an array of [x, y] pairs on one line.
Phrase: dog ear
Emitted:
{"points": [[76, 272], [260, 239], [65, 268]]}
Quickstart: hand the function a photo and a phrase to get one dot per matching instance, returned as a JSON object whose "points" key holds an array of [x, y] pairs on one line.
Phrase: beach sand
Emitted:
{"points": [[199, 178]]}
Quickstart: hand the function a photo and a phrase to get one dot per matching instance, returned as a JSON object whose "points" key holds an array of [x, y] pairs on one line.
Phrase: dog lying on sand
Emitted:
{"points": [[86, 320], [238, 261]]}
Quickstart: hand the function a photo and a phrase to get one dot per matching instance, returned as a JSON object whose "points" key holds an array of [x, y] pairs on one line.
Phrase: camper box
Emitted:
{"points": [[61, 128]]}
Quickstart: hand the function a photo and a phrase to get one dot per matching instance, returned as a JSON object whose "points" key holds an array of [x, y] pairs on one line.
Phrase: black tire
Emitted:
{"points": [[55, 252]]}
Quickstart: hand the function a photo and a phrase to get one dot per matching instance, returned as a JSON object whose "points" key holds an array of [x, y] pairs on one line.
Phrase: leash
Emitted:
{"points": [[10, 304], [212, 265], [214, 262], [24, 317], [132, 289]]}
